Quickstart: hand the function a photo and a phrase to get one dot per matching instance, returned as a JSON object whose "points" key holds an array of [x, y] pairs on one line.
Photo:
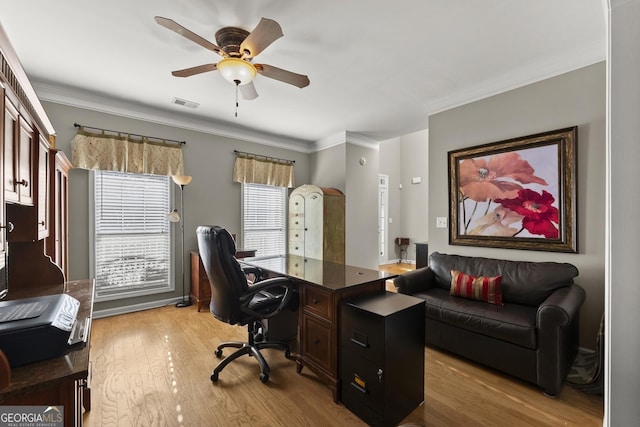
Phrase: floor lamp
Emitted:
{"points": [[174, 216]]}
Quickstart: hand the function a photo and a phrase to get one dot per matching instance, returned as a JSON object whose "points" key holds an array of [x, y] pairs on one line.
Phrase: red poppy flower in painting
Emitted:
{"points": [[537, 210], [497, 177]]}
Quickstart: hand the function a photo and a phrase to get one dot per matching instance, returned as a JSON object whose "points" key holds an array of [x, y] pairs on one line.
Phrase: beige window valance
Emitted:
{"points": [[254, 169], [125, 154]]}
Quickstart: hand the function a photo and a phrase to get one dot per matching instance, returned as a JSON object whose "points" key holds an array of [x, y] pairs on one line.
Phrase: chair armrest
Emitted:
{"points": [[415, 281], [258, 273], [264, 286]]}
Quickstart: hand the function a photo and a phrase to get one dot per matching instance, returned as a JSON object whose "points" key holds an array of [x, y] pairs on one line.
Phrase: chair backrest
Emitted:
{"points": [[228, 282]]}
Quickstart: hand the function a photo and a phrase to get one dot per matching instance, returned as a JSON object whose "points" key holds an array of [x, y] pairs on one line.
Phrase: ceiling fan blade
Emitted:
{"points": [[174, 26], [285, 76], [195, 70], [248, 91], [266, 32]]}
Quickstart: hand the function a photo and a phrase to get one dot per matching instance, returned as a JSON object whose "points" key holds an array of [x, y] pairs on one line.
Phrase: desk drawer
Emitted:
{"points": [[318, 302], [362, 336], [318, 344]]}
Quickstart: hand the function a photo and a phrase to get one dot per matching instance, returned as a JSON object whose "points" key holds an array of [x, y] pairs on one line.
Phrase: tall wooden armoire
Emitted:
{"points": [[316, 223]]}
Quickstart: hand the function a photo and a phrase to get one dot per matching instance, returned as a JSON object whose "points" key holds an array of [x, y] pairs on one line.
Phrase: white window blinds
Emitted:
{"points": [[264, 219], [132, 235]]}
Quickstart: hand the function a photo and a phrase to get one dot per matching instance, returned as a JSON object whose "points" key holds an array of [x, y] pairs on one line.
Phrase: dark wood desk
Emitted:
{"points": [[322, 286], [62, 380], [200, 290]]}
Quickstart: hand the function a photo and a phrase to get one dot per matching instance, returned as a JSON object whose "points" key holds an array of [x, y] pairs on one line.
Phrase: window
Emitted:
{"points": [[132, 243], [264, 219]]}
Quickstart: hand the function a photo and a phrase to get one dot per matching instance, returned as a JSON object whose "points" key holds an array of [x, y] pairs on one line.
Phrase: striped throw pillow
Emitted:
{"points": [[479, 288]]}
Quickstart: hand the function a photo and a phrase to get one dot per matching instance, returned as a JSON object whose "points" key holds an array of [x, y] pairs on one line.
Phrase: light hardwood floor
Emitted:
{"points": [[152, 368]]}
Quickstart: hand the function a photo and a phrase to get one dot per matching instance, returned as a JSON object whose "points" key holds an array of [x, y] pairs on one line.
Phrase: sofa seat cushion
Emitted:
{"points": [[512, 323]]}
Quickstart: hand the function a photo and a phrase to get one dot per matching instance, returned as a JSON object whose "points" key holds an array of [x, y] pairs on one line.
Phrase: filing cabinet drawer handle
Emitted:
{"points": [[360, 389], [360, 343]]}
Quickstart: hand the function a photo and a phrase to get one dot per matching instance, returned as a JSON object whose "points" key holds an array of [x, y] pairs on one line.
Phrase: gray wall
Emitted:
{"points": [[575, 98], [391, 165], [328, 168], [361, 216], [415, 197], [623, 340], [404, 158], [211, 198]]}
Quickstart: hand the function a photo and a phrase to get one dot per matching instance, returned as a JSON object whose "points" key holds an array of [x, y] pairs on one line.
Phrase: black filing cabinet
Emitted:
{"points": [[382, 357]]}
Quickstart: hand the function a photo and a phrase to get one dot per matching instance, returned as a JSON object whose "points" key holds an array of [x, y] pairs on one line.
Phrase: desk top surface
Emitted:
{"points": [[317, 272]]}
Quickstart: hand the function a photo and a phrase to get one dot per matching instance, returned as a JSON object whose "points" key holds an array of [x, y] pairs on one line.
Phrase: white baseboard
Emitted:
{"points": [[397, 261], [98, 314]]}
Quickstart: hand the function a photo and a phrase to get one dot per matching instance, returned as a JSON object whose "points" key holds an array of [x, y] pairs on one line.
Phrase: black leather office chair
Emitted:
{"points": [[235, 302]]}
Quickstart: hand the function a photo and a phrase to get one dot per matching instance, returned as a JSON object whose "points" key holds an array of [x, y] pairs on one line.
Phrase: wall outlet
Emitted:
{"points": [[441, 222]]}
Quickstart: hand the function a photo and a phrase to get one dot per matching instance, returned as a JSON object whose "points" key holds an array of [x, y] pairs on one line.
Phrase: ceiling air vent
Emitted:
{"points": [[185, 103]]}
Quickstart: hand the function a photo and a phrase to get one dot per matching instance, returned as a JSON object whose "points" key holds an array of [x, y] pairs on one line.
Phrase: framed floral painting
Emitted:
{"points": [[517, 194]]}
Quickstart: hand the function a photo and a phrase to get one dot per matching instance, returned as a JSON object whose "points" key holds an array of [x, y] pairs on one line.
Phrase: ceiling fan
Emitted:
{"points": [[238, 47]]}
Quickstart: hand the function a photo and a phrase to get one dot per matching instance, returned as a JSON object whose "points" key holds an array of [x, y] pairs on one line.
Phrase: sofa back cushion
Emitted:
{"points": [[523, 282]]}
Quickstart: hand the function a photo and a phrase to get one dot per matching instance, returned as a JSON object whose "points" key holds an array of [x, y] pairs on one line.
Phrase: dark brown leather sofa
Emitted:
{"points": [[532, 336]]}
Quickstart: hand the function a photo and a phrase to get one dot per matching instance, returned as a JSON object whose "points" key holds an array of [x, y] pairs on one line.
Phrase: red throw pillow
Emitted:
{"points": [[479, 288]]}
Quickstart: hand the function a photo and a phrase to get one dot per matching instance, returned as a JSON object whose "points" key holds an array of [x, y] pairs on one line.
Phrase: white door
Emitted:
{"points": [[383, 213]]}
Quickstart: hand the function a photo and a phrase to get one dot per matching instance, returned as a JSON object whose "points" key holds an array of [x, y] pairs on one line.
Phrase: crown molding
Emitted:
{"points": [[520, 77], [344, 137], [74, 97]]}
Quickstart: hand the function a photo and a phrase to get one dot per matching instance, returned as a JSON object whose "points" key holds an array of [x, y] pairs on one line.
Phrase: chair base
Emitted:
{"points": [[250, 348]]}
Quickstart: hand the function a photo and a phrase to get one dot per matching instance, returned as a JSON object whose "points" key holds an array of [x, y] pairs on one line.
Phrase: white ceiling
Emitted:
{"points": [[377, 68]]}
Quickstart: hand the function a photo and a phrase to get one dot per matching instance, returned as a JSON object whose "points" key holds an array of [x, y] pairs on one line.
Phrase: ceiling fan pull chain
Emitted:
{"points": [[237, 85]]}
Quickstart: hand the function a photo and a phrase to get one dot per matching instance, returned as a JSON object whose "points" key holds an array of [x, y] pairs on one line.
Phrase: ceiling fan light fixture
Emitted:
{"points": [[237, 71]]}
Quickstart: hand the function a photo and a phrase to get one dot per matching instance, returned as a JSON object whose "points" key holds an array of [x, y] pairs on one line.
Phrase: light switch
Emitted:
{"points": [[441, 222]]}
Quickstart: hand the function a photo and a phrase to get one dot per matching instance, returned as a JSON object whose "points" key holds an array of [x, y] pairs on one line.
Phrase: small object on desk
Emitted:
{"points": [[79, 331]]}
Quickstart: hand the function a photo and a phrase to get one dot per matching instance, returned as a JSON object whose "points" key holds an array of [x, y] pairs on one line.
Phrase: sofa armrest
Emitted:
{"points": [[561, 307], [558, 323], [415, 281]]}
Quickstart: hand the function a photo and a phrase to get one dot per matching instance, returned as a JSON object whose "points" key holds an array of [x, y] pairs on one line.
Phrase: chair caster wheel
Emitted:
{"points": [[264, 377], [287, 354], [214, 377], [218, 353]]}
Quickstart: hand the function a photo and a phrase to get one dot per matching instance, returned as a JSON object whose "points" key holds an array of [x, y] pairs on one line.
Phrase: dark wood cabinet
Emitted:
{"points": [[382, 357], [30, 213], [43, 187], [57, 241], [24, 161], [10, 135]]}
